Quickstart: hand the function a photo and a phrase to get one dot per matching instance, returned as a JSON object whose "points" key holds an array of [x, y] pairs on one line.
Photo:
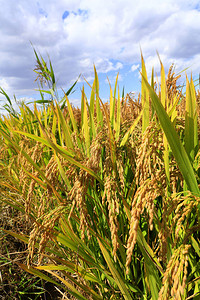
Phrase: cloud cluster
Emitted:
{"points": [[79, 33]]}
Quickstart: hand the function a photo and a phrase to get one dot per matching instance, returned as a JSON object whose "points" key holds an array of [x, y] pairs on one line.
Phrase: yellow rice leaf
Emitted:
{"points": [[164, 102], [85, 127], [115, 89], [72, 289], [92, 99], [54, 125], [38, 274], [98, 109], [144, 97], [118, 119], [112, 107], [71, 267], [112, 104], [191, 128], [91, 110], [163, 87]]}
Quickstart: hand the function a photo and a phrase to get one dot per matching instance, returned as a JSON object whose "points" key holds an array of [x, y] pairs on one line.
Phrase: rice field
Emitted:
{"points": [[106, 196]]}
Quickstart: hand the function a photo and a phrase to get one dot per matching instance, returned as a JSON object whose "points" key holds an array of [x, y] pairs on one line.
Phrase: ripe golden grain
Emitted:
{"points": [[150, 178], [174, 279], [112, 201], [173, 89]]}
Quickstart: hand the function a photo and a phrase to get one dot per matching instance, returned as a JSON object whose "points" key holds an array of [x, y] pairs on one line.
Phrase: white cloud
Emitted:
{"points": [[79, 33], [112, 79], [135, 67], [4, 84]]}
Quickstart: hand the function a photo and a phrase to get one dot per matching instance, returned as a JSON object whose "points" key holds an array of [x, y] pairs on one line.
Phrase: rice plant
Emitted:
{"points": [[110, 190]]}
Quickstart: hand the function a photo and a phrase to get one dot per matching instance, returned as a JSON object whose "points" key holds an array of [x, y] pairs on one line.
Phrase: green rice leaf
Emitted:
{"points": [[65, 128], [92, 100], [151, 265], [69, 91], [118, 279], [79, 248], [91, 111]]}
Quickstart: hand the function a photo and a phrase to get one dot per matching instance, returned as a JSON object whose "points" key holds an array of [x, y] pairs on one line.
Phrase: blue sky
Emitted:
{"points": [[79, 33]]}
